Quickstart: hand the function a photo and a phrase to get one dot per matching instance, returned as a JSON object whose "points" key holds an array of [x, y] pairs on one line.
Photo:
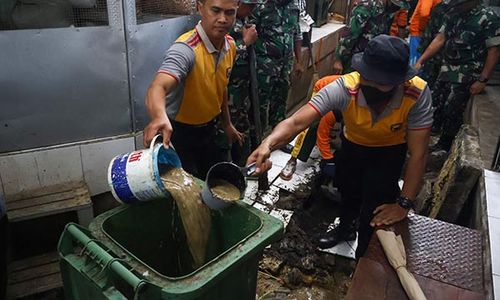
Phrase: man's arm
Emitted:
{"points": [[326, 125], [298, 68], [489, 65], [357, 22], [155, 104], [229, 129], [283, 133], [418, 141], [436, 44]]}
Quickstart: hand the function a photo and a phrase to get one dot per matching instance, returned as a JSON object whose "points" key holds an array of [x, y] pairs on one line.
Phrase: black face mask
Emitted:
{"points": [[374, 96]]}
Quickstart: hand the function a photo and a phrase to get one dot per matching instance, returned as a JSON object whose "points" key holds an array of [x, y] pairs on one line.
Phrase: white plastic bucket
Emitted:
{"points": [[135, 176]]}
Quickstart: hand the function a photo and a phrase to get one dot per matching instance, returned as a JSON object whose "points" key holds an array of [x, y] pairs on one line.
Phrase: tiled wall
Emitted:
{"points": [[492, 186], [45, 167]]}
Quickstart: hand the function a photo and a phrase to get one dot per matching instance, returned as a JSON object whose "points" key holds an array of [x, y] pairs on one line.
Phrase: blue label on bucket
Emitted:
{"points": [[119, 180]]}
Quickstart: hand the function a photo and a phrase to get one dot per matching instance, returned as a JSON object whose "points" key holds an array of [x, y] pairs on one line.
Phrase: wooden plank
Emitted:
{"points": [[80, 202], [53, 189], [33, 273], [33, 261], [35, 286], [19, 204]]}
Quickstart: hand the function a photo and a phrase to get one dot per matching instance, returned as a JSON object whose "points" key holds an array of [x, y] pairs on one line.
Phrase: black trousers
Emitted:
{"points": [[4, 243], [367, 177], [196, 147]]}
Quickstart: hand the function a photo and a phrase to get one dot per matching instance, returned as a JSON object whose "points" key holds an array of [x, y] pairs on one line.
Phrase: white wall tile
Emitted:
{"points": [[139, 144], [19, 173], [494, 232], [59, 165], [492, 186], [496, 286], [96, 158]]}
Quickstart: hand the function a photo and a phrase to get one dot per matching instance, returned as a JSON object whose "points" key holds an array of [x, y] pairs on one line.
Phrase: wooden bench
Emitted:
{"points": [[41, 273], [34, 275], [40, 202]]}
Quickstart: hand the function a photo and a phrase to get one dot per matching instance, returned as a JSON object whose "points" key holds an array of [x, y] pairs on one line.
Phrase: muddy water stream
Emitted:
{"points": [[195, 215]]}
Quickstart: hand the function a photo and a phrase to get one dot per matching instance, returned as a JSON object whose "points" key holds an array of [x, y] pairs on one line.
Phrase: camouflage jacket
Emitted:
{"points": [[241, 48], [369, 19], [468, 37], [278, 27], [436, 20]]}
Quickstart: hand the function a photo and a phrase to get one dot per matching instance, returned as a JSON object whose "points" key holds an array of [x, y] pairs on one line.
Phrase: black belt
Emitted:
{"points": [[199, 126]]}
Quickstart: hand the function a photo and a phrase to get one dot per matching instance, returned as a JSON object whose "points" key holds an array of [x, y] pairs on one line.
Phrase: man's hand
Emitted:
{"points": [[233, 134], [158, 125], [261, 157], [477, 87], [338, 68], [418, 65], [298, 69], [388, 214], [249, 34]]}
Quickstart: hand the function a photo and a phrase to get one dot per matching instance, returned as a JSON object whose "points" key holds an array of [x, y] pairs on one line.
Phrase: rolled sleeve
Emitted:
{"points": [[178, 61], [334, 96], [420, 116]]}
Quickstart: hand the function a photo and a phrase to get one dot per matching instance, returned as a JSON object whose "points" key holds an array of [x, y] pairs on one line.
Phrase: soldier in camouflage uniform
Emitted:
{"points": [[280, 37], [430, 70], [244, 34], [470, 39], [369, 18]]}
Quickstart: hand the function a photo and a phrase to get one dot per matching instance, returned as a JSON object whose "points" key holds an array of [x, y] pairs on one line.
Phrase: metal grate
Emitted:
{"points": [[438, 250], [154, 10], [39, 14]]}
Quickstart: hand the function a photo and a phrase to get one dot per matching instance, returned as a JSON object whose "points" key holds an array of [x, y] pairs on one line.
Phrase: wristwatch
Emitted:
{"points": [[405, 202], [483, 79]]}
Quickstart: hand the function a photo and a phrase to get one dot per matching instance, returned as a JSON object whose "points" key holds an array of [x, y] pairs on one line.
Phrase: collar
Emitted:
{"points": [[206, 41]]}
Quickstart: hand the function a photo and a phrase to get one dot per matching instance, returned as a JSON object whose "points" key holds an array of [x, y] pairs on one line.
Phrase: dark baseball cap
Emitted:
{"points": [[385, 61]]}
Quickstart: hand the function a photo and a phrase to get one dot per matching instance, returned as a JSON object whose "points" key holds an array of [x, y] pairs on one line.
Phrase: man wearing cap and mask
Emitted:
{"points": [[369, 18], [386, 110], [470, 43]]}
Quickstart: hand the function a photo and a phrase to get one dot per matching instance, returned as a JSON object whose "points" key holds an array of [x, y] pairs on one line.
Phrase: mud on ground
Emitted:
{"points": [[293, 268]]}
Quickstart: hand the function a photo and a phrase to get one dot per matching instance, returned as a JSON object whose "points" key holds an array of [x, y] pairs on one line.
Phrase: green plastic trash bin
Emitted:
{"points": [[130, 253]]}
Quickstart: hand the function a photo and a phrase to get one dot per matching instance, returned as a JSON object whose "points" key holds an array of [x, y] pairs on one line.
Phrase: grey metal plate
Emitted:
{"points": [[62, 85], [147, 44], [438, 250]]}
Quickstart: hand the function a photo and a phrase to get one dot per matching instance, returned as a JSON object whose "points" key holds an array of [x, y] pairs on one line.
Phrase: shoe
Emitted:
{"points": [[289, 169], [335, 236], [287, 148]]}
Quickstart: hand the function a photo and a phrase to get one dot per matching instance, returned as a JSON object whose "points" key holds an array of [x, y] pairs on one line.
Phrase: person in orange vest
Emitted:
{"points": [[307, 138], [189, 91], [399, 24], [418, 23], [387, 112]]}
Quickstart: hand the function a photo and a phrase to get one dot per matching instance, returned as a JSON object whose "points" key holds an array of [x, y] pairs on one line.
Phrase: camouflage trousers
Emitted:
{"points": [[449, 100], [241, 117], [273, 94], [430, 71]]}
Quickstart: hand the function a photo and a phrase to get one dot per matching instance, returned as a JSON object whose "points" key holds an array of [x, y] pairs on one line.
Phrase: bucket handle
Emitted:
{"points": [[153, 142]]}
